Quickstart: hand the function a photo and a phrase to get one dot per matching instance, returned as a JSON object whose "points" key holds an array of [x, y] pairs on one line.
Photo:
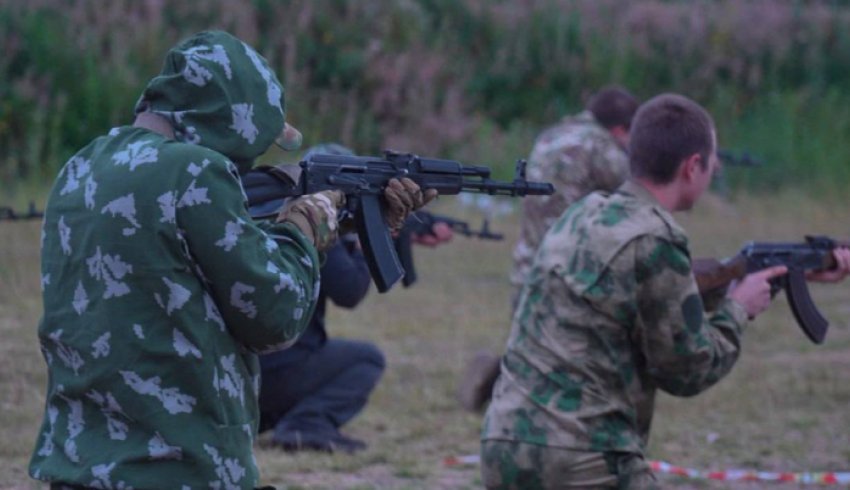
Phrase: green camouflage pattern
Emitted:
{"points": [[610, 314], [201, 92], [159, 290], [577, 156]]}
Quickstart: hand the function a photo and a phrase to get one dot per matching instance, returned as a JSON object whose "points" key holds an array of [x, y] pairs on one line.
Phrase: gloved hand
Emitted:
{"points": [[403, 197], [316, 216]]}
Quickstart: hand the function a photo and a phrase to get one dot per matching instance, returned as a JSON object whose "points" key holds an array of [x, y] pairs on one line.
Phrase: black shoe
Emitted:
{"points": [[348, 445], [476, 384], [295, 441]]}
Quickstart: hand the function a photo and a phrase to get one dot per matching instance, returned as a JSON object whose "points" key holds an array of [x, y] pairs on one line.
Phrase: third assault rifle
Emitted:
{"points": [[421, 223], [9, 214], [363, 179], [814, 254]]}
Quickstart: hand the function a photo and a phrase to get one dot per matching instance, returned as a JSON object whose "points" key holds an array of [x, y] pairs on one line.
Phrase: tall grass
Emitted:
{"points": [[459, 78]]}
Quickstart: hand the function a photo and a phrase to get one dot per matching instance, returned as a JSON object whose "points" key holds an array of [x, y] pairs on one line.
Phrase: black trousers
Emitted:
{"points": [[324, 392]]}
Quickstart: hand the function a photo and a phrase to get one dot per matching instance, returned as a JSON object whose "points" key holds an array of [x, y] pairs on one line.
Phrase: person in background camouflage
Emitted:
{"points": [[159, 289], [610, 313], [581, 154]]}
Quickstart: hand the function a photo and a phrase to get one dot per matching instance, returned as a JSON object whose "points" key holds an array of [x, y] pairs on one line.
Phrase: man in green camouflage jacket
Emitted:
{"points": [[159, 289], [579, 155], [611, 313]]}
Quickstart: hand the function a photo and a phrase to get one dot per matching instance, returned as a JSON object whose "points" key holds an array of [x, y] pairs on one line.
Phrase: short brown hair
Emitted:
{"points": [[613, 106], [668, 129]]}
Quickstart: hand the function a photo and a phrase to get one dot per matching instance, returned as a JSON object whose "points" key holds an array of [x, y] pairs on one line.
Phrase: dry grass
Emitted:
{"points": [[784, 407]]}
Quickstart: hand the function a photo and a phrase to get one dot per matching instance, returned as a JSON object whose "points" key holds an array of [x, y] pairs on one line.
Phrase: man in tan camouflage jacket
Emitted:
{"points": [[610, 313], [580, 154]]}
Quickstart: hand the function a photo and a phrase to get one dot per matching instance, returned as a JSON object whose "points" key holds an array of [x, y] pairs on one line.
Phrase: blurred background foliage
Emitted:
{"points": [[474, 80]]}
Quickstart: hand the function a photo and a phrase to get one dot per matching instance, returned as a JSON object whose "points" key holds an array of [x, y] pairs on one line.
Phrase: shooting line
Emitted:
{"points": [[730, 475]]}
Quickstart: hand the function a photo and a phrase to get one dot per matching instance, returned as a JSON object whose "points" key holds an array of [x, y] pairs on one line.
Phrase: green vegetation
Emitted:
{"points": [[444, 77]]}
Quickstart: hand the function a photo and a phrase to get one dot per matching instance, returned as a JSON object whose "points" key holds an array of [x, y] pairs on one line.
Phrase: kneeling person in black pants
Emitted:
{"points": [[313, 388]]}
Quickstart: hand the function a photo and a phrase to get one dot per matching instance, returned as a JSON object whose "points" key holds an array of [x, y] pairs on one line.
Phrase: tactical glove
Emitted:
{"points": [[316, 216], [403, 197]]}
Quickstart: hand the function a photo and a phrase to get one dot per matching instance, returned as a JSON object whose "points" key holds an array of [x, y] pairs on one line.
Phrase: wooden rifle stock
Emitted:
{"points": [[714, 276]]}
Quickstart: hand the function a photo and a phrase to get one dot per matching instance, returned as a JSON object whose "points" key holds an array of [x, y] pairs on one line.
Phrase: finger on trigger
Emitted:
{"points": [[775, 271]]}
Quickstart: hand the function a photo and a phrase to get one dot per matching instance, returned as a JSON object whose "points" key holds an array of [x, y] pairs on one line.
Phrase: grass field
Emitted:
{"points": [[784, 407]]}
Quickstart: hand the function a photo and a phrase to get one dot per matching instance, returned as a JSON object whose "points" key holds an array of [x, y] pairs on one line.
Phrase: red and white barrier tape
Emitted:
{"points": [[468, 460], [812, 478], [815, 478]]}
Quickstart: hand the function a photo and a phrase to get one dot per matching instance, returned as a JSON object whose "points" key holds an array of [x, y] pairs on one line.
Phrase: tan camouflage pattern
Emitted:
{"points": [[610, 314], [578, 156], [510, 465], [316, 216], [403, 196]]}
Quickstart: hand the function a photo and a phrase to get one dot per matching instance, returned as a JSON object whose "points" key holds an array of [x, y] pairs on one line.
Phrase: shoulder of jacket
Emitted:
{"points": [[630, 218], [194, 159], [191, 153], [667, 228], [576, 133]]}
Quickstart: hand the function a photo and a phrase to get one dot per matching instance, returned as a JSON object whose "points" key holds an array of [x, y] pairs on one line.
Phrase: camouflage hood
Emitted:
{"points": [[219, 93]]}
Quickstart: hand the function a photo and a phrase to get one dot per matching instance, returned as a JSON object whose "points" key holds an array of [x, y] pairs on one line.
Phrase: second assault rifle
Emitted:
{"points": [[9, 214], [421, 223], [713, 276], [363, 180]]}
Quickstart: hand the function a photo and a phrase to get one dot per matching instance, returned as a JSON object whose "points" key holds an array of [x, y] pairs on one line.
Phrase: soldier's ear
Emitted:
{"points": [[621, 134], [690, 168]]}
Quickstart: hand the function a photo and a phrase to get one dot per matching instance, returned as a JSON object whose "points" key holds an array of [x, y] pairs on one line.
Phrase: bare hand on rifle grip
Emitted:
{"points": [[753, 291], [841, 270], [440, 232]]}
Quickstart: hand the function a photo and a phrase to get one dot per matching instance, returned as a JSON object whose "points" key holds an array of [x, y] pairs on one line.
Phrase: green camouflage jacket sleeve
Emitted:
{"points": [[686, 350], [245, 269]]}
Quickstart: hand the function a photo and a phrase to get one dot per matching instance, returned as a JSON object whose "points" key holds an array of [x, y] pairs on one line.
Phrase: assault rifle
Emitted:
{"points": [[9, 214], [814, 254], [740, 159], [363, 179], [422, 223]]}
